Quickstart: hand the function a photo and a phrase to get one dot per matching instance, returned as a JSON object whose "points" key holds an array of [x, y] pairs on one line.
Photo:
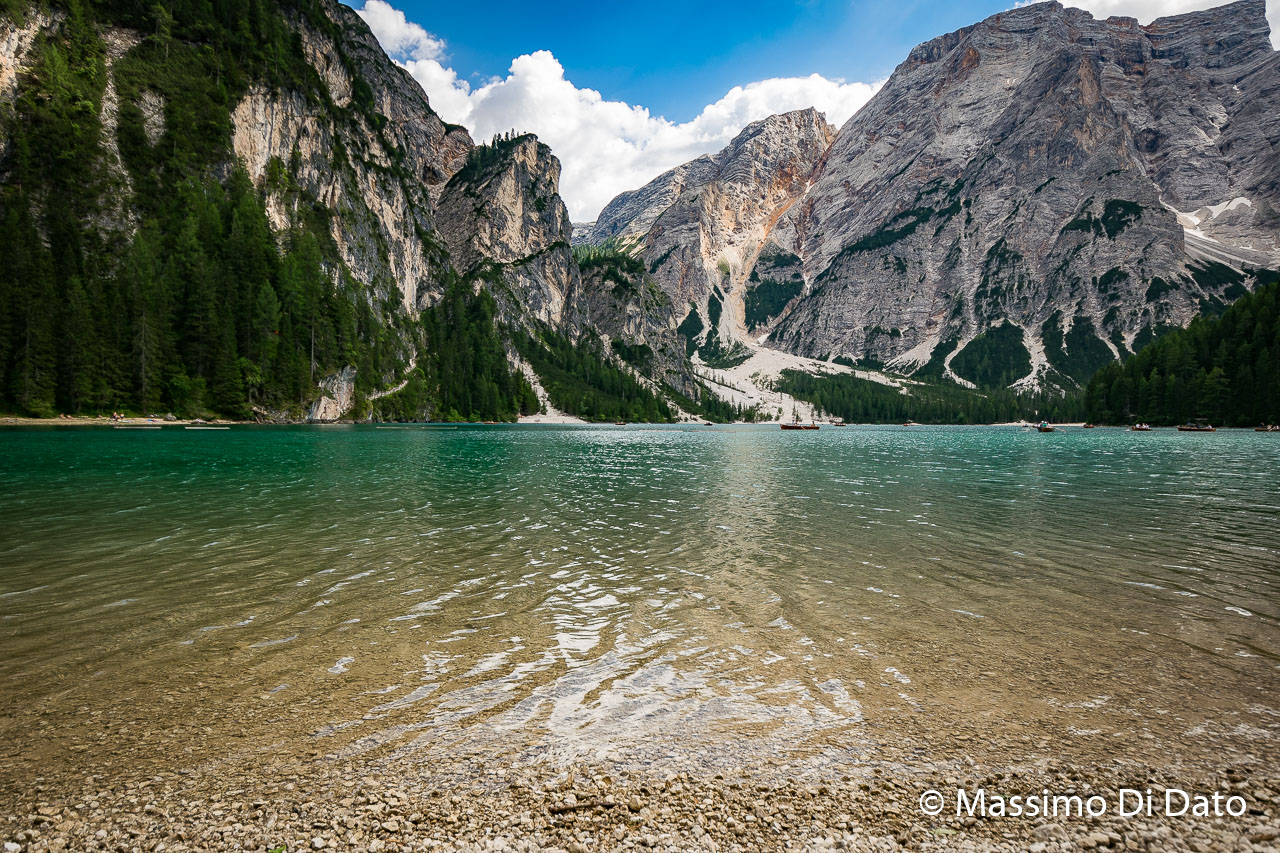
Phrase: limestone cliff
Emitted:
{"points": [[699, 228], [503, 221], [368, 146], [353, 168]]}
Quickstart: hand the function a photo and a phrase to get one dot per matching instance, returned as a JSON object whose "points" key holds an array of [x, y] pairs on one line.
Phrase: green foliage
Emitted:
{"points": [[580, 381], [1158, 287], [900, 226], [714, 353], [465, 372], [935, 367], [1107, 282], [1078, 354], [994, 359], [1223, 368], [639, 356], [709, 406], [690, 328], [203, 310], [999, 274], [863, 401], [1150, 333], [767, 299], [660, 260], [613, 265], [202, 314], [1212, 275], [905, 223], [1117, 215], [482, 159]]}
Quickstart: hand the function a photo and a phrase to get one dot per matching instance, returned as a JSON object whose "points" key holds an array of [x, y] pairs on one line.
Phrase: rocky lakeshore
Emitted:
{"points": [[327, 806]]}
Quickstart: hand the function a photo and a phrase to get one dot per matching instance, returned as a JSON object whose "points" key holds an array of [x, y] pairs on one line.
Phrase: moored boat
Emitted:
{"points": [[1198, 426], [810, 426], [1045, 426], [792, 426]]}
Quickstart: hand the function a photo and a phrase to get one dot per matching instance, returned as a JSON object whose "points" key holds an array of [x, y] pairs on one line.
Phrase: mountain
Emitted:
{"points": [[1024, 200], [244, 205], [699, 227]]}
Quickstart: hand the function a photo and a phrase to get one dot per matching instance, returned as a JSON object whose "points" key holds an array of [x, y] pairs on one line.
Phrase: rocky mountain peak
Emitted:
{"points": [[502, 219]]}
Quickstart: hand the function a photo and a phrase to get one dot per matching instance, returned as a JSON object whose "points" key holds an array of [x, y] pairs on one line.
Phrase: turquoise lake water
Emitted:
{"points": [[547, 588]]}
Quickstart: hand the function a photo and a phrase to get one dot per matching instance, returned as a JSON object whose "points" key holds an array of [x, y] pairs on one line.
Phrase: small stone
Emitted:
{"points": [[1049, 832], [635, 803], [318, 843]]}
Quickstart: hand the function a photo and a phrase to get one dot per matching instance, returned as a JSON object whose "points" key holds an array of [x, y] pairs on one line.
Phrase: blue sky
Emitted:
{"points": [[676, 56], [623, 92]]}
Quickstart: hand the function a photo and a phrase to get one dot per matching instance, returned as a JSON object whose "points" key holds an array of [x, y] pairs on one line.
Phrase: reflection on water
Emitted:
{"points": [[621, 593]]}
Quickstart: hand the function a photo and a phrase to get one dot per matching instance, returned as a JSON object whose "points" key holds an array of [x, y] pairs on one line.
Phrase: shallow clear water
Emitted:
{"points": [[627, 592]]}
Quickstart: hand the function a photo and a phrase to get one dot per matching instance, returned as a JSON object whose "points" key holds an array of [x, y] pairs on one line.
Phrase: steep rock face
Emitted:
{"points": [[703, 224], [503, 220], [1029, 171], [381, 170], [629, 216], [16, 38], [344, 156], [619, 301]]}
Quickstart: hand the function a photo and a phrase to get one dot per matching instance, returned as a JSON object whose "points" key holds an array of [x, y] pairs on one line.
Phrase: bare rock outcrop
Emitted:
{"points": [[699, 228], [503, 221]]}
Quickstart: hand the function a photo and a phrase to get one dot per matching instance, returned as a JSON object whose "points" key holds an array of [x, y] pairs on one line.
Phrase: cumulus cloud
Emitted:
{"points": [[1147, 11], [605, 147], [400, 38]]}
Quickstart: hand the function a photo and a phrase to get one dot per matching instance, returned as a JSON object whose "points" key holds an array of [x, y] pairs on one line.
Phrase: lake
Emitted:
{"points": [[704, 598]]}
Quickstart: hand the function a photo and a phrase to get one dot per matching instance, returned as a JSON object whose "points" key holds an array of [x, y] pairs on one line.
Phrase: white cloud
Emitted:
{"points": [[1147, 11], [400, 38], [605, 147]]}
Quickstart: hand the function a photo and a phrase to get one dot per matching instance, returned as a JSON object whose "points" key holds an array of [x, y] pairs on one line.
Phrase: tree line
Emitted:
{"points": [[864, 401], [1224, 369]]}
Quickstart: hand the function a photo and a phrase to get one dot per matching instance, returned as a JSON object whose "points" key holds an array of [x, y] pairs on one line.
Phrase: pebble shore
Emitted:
{"points": [[324, 806]]}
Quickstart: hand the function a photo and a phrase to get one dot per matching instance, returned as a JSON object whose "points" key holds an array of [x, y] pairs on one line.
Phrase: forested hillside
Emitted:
{"points": [[864, 401], [139, 270], [1225, 369]]}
